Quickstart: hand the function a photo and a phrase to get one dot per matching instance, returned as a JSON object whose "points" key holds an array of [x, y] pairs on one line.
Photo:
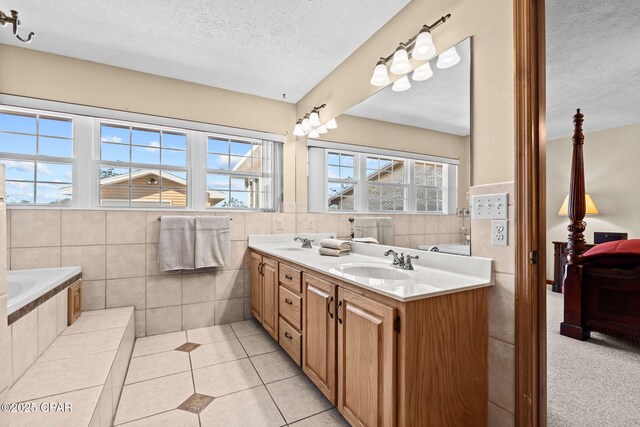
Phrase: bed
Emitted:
{"points": [[602, 285]]}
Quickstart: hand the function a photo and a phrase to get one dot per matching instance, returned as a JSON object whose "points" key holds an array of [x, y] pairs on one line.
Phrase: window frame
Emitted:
{"points": [[38, 158], [342, 181], [86, 153], [361, 182]]}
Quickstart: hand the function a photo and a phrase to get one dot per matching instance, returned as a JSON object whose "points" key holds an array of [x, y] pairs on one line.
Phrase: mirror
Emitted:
{"points": [[430, 124]]}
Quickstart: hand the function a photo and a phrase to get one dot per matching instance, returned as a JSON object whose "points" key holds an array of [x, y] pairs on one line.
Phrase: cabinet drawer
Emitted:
{"points": [[291, 278], [290, 340], [291, 307]]}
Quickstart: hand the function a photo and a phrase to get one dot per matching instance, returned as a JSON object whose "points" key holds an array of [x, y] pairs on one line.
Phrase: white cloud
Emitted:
{"points": [[111, 139]]}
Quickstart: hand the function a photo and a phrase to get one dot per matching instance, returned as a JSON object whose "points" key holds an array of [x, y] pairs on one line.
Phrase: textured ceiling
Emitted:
{"points": [[593, 63], [263, 48], [441, 103]]}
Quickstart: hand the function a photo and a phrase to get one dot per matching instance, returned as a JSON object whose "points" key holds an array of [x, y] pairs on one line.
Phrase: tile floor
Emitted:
{"points": [[226, 375]]}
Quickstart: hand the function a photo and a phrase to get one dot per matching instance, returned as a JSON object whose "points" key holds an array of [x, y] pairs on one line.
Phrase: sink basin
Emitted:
{"points": [[291, 248], [373, 271]]}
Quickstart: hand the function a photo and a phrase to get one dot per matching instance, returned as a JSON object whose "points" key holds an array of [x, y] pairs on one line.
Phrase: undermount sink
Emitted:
{"points": [[291, 248], [372, 271]]}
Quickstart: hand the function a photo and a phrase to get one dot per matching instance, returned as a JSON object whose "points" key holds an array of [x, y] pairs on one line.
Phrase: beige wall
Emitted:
{"points": [[5, 332], [611, 178]]}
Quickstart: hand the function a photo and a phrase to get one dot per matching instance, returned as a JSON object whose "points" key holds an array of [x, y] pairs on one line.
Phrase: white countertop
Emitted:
{"points": [[434, 274]]}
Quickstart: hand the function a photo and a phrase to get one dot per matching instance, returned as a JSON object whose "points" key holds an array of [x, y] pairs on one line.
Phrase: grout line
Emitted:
{"points": [[143, 418]]}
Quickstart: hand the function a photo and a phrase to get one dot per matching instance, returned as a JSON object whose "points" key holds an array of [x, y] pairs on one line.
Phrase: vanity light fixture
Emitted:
{"points": [[423, 72], [400, 64], [311, 124], [419, 47], [401, 84], [380, 74], [448, 58]]}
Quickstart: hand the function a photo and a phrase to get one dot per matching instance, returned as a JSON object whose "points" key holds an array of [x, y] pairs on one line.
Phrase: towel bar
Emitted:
{"points": [[160, 219]]}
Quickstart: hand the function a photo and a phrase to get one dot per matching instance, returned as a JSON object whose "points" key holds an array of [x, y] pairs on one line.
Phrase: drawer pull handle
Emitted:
{"points": [[288, 277], [287, 301], [338, 313], [329, 307], [288, 336]]}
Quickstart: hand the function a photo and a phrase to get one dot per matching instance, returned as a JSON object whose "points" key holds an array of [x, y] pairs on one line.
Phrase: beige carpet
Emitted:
{"points": [[590, 383]]}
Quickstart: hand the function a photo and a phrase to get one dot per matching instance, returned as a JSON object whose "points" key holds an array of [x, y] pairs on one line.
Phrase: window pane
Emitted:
{"points": [[115, 152], [54, 172], [218, 146], [174, 179], [19, 170], [346, 173], [55, 127], [53, 194], [15, 143], [239, 184], [18, 123], [176, 197], [116, 134], [19, 192], [147, 138], [174, 140], [346, 160], [240, 149], [114, 175], [216, 198], [341, 196], [218, 182], [334, 171], [114, 195], [333, 159], [240, 200], [218, 161], [239, 163], [145, 155], [55, 147]]}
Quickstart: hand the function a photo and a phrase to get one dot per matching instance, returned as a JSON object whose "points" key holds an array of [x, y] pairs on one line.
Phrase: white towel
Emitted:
{"points": [[335, 244], [385, 230], [379, 228], [365, 240], [333, 252], [177, 243], [212, 245]]}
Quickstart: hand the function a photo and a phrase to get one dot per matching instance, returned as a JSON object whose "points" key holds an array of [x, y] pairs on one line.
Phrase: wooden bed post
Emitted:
{"points": [[574, 325]]}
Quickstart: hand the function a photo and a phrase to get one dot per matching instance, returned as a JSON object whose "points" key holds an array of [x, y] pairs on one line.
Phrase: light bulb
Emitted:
{"points": [[331, 124], [322, 130], [306, 126], [314, 119], [401, 84], [400, 64], [448, 58], [424, 48], [314, 134], [297, 130], [423, 72], [380, 75]]}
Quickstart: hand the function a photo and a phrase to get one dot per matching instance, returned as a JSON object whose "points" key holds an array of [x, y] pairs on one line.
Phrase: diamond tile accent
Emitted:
{"points": [[196, 403], [188, 347]]}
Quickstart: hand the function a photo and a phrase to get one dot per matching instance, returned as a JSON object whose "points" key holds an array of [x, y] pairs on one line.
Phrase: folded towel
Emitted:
{"points": [[335, 244], [385, 230], [333, 252], [177, 243], [379, 228], [365, 240], [212, 243]]}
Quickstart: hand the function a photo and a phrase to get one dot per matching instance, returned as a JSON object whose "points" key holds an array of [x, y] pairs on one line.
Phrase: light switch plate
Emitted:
{"points": [[490, 206], [499, 232]]}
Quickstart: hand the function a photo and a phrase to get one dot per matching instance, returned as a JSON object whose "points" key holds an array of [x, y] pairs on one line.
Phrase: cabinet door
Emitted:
{"points": [[270, 296], [319, 335], [366, 361], [255, 270]]}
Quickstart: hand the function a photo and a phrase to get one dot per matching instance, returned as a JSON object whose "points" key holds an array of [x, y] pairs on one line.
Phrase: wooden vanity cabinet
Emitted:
{"points": [[366, 360], [319, 336], [264, 292]]}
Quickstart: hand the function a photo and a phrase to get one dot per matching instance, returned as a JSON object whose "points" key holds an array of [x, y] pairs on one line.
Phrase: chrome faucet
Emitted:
{"points": [[401, 261], [306, 243]]}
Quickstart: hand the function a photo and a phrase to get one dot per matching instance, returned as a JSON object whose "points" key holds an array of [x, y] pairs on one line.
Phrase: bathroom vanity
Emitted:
{"points": [[388, 347]]}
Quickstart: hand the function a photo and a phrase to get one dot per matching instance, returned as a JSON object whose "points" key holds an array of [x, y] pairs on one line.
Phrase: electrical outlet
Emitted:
{"points": [[311, 224], [279, 224], [499, 232]]}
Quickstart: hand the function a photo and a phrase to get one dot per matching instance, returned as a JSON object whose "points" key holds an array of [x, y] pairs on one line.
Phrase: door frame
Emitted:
{"points": [[530, 194]]}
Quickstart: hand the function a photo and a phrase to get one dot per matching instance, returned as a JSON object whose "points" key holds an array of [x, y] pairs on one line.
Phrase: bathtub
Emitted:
{"points": [[448, 248], [26, 286]]}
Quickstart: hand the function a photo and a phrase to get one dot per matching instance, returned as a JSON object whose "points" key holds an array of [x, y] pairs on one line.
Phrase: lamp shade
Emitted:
{"points": [[591, 207], [424, 48], [448, 58], [297, 130], [401, 84], [423, 72], [314, 119], [400, 64], [331, 124], [380, 75]]}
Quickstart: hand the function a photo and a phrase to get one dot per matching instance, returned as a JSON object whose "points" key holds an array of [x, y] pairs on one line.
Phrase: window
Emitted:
{"points": [[389, 183], [37, 151], [142, 166], [90, 157]]}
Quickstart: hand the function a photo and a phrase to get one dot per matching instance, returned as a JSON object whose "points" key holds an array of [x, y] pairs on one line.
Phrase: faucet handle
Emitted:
{"points": [[413, 257]]}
